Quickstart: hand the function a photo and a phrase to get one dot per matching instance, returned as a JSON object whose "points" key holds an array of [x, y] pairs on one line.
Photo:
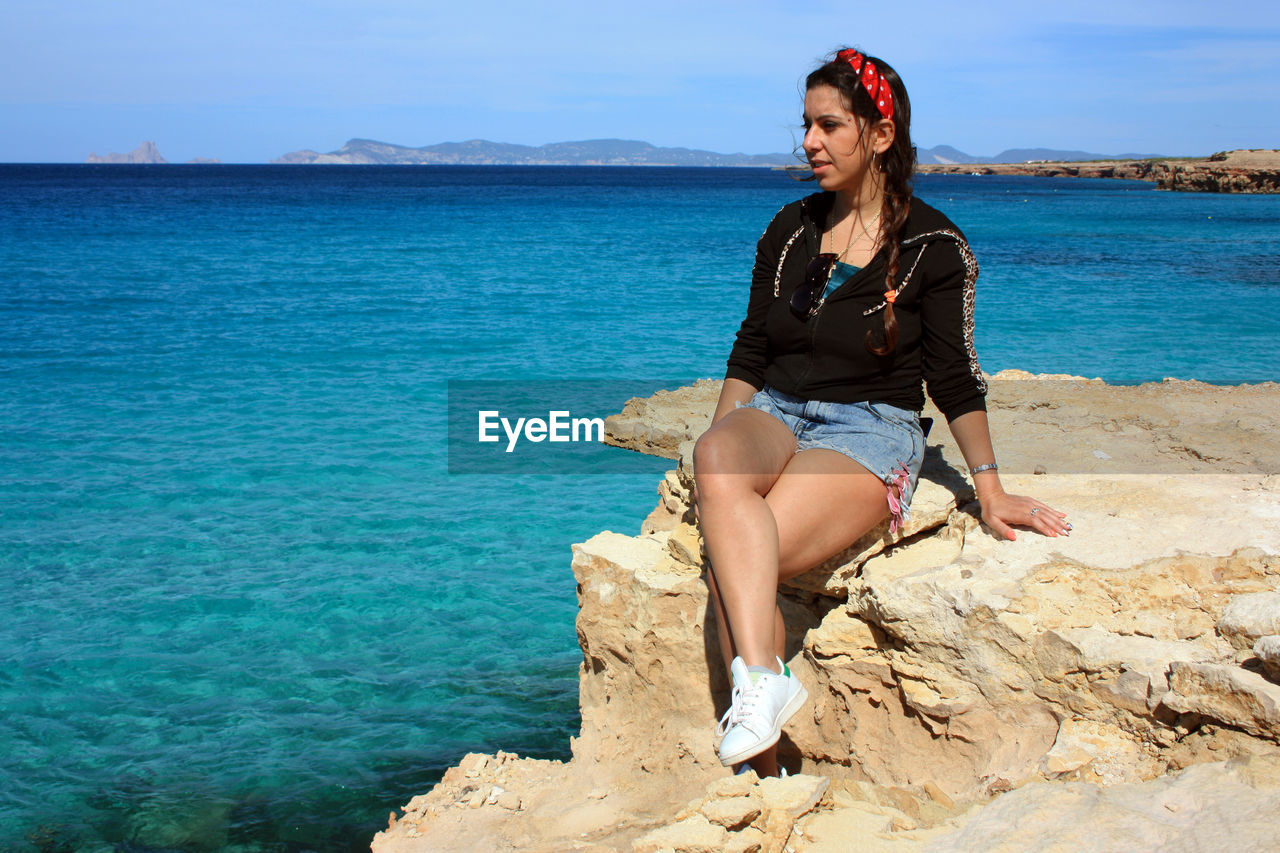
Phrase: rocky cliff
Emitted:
{"points": [[1115, 690], [1254, 171]]}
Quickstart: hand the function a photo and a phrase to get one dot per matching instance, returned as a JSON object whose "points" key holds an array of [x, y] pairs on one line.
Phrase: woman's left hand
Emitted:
{"points": [[1001, 510]]}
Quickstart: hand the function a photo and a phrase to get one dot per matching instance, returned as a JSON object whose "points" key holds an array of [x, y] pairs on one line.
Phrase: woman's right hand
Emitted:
{"points": [[1001, 510]]}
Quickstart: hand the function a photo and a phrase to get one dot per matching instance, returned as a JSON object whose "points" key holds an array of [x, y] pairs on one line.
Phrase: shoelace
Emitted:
{"points": [[740, 706]]}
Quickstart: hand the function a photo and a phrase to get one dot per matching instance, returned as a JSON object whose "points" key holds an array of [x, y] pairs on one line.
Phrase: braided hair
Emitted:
{"points": [[897, 165]]}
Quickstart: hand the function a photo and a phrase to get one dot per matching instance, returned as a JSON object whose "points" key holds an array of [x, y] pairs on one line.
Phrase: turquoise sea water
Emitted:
{"points": [[246, 605]]}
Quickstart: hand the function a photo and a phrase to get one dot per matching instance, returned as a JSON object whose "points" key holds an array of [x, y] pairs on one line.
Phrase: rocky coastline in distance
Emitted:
{"points": [[1118, 689], [1240, 171], [1237, 171]]}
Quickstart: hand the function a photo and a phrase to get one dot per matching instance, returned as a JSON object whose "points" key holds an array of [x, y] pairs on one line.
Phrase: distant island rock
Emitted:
{"points": [[481, 152], [144, 153], [1240, 171]]}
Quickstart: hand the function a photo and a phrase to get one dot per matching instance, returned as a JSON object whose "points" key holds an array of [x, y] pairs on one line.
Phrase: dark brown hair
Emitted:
{"points": [[898, 164]]}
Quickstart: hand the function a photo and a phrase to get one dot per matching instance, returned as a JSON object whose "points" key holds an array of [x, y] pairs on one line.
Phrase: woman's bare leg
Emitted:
{"points": [[727, 650], [736, 463], [820, 504], [765, 763]]}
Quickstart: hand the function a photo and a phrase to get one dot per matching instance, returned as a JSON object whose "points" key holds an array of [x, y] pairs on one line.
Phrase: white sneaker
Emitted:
{"points": [[759, 709]]}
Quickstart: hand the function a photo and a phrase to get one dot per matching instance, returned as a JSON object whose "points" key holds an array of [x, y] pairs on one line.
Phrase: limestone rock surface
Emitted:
{"points": [[1225, 806], [1239, 171], [658, 425], [1268, 651], [1248, 618], [958, 683]]}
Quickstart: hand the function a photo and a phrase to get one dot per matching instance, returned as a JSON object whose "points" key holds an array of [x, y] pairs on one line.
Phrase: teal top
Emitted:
{"points": [[842, 273]]}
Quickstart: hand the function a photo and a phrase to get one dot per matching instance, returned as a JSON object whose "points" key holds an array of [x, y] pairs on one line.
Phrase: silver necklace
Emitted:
{"points": [[840, 257], [866, 229]]}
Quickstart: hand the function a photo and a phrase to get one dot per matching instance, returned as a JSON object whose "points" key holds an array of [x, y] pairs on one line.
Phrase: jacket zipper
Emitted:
{"points": [[813, 331]]}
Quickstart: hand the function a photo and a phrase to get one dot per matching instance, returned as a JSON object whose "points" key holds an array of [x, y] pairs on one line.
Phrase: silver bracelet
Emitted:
{"points": [[990, 466]]}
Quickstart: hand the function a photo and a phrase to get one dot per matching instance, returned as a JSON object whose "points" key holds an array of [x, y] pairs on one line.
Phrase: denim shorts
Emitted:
{"points": [[884, 439]]}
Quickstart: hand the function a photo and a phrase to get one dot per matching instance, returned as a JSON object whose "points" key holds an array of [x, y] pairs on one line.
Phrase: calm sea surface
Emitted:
{"points": [[245, 604]]}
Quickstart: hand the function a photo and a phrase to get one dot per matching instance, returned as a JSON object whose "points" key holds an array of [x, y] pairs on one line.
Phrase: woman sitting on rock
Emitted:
{"points": [[858, 293]]}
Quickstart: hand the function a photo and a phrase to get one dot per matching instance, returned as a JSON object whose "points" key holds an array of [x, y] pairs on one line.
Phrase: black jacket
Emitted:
{"points": [[825, 358]]}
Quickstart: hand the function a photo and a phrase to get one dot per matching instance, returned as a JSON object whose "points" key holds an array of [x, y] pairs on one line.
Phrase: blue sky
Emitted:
{"points": [[246, 82]]}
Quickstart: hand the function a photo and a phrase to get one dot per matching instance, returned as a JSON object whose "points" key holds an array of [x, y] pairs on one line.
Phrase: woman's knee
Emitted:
{"points": [[712, 453], [740, 454], [718, 464]]}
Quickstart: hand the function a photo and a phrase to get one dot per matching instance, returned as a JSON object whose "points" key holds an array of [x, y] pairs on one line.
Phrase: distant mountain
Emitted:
{"points": [[944, 154], [947, 155], [625, 152], [589, 152], [144, 153]]}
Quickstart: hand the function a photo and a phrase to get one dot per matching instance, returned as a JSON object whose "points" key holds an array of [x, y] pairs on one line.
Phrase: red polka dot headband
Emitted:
{"points": [[872, 80]]}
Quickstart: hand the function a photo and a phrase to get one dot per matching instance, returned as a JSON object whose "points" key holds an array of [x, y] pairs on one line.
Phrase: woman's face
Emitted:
{"points": [[834, 142]]}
